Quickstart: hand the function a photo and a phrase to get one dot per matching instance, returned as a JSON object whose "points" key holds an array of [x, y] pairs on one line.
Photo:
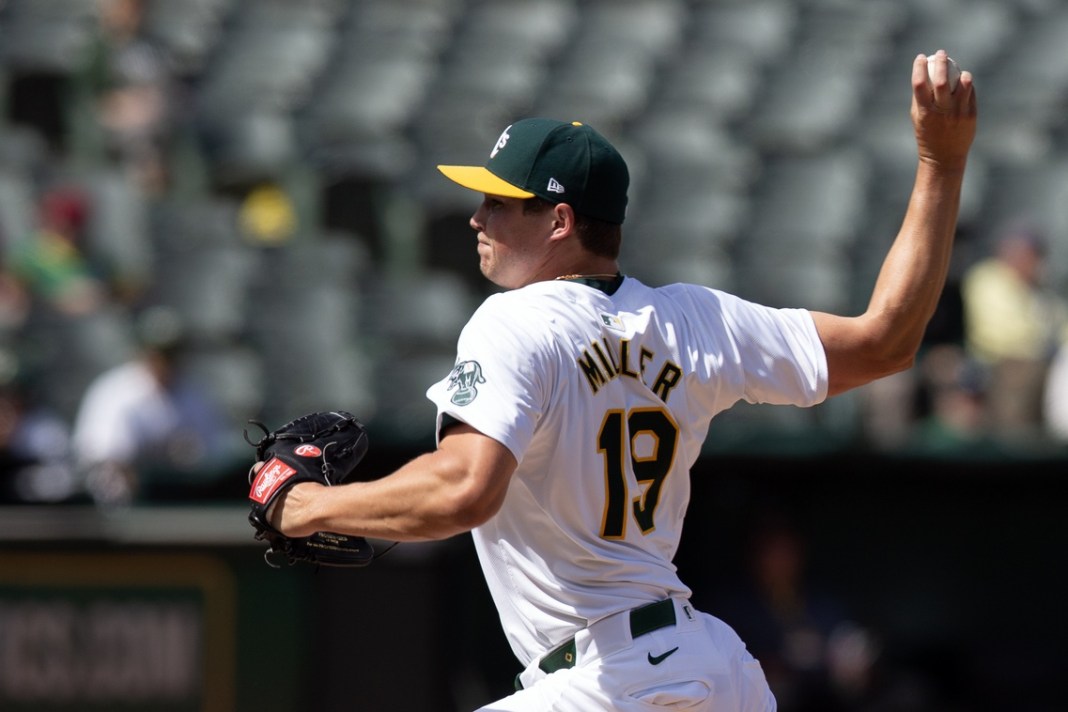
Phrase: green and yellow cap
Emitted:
{"points": [[558, 161]]}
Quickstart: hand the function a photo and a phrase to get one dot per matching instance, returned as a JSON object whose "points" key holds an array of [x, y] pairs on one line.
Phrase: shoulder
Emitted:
{"points": [[132, 374], [515, 317], [541, 300], [507, 306], [699, 301]]}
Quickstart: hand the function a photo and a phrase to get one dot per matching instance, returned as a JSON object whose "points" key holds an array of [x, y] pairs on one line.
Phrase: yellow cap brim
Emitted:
{"points": [[480, 179]]}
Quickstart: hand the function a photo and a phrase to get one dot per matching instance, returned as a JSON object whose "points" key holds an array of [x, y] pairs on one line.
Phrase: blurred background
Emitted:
{"points": [[213, 211]]}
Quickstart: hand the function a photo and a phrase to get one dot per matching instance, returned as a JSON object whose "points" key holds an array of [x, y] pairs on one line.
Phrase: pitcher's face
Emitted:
{"points": [[512, 244]]}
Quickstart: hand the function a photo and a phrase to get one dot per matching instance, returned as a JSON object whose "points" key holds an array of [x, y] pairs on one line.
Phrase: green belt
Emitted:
{"points": [[646, 619]]}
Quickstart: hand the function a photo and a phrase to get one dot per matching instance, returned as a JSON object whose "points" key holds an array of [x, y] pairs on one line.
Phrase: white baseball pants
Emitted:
{"points": [[699, 664]]}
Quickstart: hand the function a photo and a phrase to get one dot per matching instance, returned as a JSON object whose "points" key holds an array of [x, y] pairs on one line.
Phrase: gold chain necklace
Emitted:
{"points": [[589, 276]]}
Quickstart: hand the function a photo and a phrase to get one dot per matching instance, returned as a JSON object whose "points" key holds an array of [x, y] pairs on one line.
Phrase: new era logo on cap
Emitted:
{"points": [[539, 157]]}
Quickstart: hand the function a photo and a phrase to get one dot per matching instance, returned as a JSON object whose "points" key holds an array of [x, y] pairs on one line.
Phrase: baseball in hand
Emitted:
{"points": [[952, 67]]}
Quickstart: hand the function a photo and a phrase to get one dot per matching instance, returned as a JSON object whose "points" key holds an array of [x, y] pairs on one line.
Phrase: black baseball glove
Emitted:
{"points": [[322, 447]]}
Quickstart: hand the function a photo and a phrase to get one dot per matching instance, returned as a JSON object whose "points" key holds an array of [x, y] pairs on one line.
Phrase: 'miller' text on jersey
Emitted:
{"points": [[608, 358]]}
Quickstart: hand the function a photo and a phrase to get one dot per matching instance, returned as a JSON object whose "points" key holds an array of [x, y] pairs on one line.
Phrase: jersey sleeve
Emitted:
{"points": [[762, 354], [497, 383], [789, 365]]}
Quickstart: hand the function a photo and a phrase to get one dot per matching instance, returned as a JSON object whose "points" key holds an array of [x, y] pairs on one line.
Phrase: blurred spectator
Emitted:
{"points": [[132, 91], [146, 421], [14, 303], [889, 409], [815, 657], [1056, 396], [35, 464], [953, 420], [1013, 325], [50, 262]]}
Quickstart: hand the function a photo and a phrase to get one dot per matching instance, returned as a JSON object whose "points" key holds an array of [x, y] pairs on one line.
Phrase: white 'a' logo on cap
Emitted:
{"points": [[554, 186], [501, 142]]}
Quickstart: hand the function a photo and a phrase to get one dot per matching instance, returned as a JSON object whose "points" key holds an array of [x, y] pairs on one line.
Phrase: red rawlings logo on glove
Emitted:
{"points": [[270, 477], [308, 451]]}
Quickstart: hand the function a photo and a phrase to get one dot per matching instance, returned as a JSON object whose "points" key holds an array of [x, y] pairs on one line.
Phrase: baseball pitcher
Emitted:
{"points": [[580, 398]]}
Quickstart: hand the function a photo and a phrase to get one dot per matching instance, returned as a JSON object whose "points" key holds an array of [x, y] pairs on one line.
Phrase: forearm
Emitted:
{"points": [[435, 496], [413, 504], [914, 271]]}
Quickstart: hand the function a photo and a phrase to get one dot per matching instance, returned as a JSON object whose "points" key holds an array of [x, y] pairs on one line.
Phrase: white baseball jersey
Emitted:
{"points": [[605, 401]]}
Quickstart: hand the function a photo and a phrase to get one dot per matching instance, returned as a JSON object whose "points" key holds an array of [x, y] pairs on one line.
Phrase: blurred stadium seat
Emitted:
{"points": [[189, 29], [46, 35], [17, 209]]}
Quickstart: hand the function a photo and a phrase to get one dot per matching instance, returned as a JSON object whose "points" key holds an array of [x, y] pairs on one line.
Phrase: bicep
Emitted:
{"points": [[479, 466]]}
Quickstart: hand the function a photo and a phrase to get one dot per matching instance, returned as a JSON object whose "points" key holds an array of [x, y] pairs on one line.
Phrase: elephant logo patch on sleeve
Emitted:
{"points": [[465, 378]]}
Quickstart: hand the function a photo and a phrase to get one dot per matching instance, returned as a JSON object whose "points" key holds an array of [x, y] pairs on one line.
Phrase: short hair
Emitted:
{"points": [[599, 237]]}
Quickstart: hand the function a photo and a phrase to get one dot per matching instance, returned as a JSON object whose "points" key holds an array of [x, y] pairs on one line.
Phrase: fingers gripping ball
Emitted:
{"points": [[952, 68], [322, 447]]}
